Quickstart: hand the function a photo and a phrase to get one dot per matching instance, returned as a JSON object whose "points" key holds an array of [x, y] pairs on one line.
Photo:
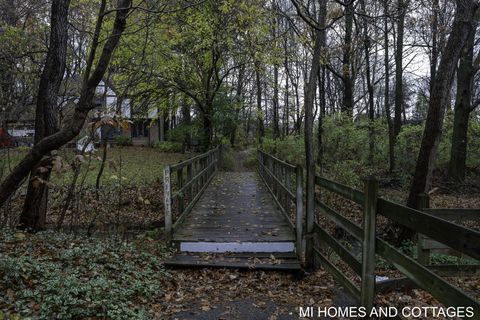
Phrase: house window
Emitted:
{"points": [[140, 129]]}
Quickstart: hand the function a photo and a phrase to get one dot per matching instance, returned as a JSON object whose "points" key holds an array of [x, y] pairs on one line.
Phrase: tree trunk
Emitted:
{"points": [[322, 17], [276, 129], [391, 133], [371, 102], [463, 107], [85, 103], [434, 54], [462, 26], [34, 212], [261, 130], [347, 77], [397, 122], [309, 149]]}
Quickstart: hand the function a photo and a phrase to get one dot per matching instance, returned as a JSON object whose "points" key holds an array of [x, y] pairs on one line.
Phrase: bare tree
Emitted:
{"points": [[75, 124], [462, 27]]}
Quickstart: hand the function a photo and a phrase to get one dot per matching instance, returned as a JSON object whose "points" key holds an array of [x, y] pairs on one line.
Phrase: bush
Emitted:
{"points": [[168, 146], [123, 140], [227, 161]]}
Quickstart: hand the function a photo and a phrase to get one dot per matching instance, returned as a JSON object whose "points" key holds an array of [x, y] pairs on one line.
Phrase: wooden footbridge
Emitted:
{"points": [[256, 220], [232, 219]]}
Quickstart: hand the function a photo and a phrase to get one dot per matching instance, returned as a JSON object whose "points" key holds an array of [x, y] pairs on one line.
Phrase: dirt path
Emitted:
{"points": [[240, 159]]}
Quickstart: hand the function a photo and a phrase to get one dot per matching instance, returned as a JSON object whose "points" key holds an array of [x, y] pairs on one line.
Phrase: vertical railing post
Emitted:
{"points": [[423, 255], [167, 191], [368, 248], [189, 178], [180, 196], [299, 212], [287, 184]]}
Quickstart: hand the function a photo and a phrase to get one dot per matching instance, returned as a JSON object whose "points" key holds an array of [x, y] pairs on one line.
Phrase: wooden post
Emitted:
{"points": [[189, 178], [167, 201], [368, 248], [287, 184], [299, 212], [423, 255], [179, 186]]}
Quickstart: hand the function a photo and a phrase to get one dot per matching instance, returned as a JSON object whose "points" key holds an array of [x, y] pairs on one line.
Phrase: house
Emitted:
{"points": [[143, 129]]}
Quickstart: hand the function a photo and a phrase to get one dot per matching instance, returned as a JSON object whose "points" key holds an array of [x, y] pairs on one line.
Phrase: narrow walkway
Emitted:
{"points": [[235, 207], [236, 224]]}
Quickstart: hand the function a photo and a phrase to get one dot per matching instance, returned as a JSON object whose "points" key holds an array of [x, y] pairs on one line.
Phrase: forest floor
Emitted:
{"points": [[118, 273]]}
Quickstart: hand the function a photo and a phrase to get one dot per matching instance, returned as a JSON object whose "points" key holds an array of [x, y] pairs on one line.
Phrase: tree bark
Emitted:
{"points": [[371, 102], [391, 133], [461, 28], [309, 149], [322, 20], [34, 211], [347, 76], [75, 124], [463, 107], [261, 130], [397, 122]]}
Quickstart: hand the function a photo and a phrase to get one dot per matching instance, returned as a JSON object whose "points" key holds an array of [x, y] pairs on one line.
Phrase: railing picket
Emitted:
{"points": [[368, 245], [179, 186], [189, 178], [168, 201], [299, 211]]}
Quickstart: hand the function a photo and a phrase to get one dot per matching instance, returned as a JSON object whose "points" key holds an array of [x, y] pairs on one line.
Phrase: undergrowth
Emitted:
{"points": [[55, 276]]}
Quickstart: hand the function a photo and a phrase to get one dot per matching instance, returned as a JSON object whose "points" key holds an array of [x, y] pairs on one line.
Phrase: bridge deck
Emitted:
{"points": [[236, 206], [236, 214]]}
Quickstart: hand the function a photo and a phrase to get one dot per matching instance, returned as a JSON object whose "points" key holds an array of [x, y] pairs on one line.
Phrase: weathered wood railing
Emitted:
{"points": [[285, 183], [455, 236], [192, 178], [426, 245]]}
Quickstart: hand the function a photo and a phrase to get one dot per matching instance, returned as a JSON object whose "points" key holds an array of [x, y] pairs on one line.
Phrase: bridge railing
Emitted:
{"points": [[184, 183], [459, 238], [285, 183]]}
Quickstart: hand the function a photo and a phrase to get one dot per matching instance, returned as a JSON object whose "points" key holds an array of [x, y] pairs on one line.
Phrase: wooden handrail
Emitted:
{"points": [[189, 188], [277, 175], [456, 236]]}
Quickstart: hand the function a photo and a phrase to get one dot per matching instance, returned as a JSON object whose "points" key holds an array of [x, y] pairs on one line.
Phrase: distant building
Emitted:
{"points": [[143, 128]]}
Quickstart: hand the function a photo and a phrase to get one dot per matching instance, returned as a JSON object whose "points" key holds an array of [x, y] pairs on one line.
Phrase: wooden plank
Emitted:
{"points": [[277, 181], [339, 249], [197, 158], [341, 221], [338, 275], [457, 237], [340, 189], [180, 194], [235, 207], [423, 254], [455, 270], [426, 279], [283, 163], [368, 244], [299, 211], [167, 189], [282, 210], [190, 205], [188, 184], [253, 262], [452, 214]]}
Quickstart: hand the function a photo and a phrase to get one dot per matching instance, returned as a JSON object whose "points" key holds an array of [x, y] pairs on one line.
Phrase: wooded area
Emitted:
{"points": [[115, 117]]}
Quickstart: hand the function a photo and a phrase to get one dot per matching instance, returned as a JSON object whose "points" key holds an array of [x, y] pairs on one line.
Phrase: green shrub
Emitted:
{"points": [[168, 146], [227, 162], [123, 140], [75, 279]]}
